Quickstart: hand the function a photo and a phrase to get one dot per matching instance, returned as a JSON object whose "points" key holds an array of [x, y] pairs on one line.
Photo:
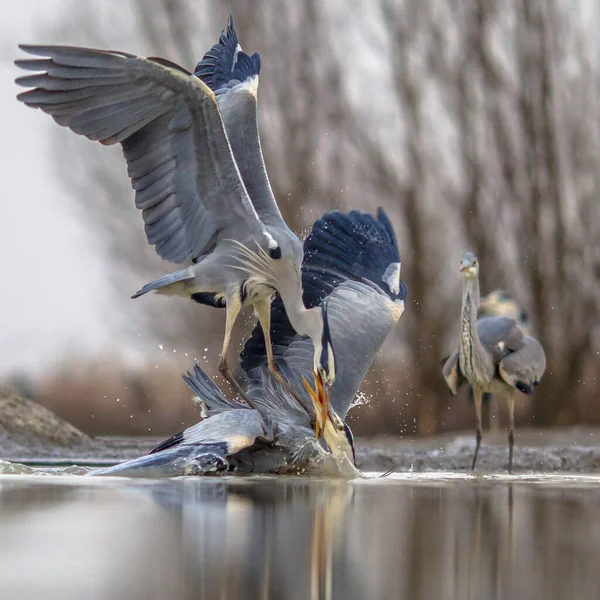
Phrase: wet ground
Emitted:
{"points": [[419, 536], [30, 434]]}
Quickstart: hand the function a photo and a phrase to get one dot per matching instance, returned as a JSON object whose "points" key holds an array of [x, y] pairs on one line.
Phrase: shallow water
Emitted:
{"points": [[435, 535]]}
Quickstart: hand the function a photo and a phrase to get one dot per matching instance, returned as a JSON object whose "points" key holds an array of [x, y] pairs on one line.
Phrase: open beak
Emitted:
{"points": [[464, 268], [320, 397]]}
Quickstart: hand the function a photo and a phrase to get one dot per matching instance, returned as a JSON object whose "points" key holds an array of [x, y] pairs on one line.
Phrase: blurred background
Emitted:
{"points": [[474, 123]]}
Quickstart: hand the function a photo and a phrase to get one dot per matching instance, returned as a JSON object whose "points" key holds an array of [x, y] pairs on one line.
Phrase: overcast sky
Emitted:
{"points": [[42, 241]]}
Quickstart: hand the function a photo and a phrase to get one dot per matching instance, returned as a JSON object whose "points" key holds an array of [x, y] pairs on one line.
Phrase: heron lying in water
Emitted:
{"points": [[493, 355], [351, 272], [194, 158]]}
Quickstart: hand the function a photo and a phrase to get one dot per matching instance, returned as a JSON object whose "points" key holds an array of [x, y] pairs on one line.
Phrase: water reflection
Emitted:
{"points": [[298, 538]]}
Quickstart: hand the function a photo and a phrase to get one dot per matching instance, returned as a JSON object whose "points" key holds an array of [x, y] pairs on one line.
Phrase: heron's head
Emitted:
{"points": [[469, 265], [330, 426]]}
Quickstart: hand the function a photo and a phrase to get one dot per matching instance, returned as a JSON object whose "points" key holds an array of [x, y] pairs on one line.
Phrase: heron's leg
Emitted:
{"points": [[511, 426], [477, 394], [262, 308], [233, 307], [492, 411]]}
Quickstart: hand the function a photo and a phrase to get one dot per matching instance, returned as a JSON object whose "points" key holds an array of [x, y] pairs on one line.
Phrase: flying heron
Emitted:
{"points": [[493, 355], [195, 162], [350, 271]]}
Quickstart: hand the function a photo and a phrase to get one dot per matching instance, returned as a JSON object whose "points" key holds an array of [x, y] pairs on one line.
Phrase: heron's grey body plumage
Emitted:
{"points": [[494, 355]]}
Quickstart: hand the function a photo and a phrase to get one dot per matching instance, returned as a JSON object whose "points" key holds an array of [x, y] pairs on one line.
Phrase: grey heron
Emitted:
{"points": [[194, 159], [493, 355], [351, 272]]}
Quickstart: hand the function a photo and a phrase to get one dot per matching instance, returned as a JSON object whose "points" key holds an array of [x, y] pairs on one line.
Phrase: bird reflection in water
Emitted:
{"points": [[260, 541], [298, 538]]}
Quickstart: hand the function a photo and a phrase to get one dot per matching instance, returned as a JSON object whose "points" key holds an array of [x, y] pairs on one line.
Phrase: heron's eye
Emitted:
{"points": [[275, 253]]}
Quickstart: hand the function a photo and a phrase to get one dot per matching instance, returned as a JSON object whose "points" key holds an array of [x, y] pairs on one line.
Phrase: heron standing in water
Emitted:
{"points": [[351, 273], [194, 159], [493, 355]]}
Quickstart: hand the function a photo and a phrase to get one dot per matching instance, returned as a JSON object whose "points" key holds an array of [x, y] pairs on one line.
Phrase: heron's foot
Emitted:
{"points": [[274, 370]]}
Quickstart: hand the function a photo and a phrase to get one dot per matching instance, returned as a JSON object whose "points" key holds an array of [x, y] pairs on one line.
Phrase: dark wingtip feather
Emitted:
{"points": [[356, 245], [387, 224], [341, 246], [174, 440], [223, 66]]}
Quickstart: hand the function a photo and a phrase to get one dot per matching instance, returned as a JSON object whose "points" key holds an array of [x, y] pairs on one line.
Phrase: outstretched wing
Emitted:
{"points": [[345, 259], [233, 76], [202, 448], [178, 156]]}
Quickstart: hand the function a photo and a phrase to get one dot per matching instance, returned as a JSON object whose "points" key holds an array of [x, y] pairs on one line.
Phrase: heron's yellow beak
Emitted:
{"points": [[320, 397]]}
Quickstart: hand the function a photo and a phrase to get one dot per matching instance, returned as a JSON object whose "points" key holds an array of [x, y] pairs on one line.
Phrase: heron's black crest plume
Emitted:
{"points": [[225, 64]]}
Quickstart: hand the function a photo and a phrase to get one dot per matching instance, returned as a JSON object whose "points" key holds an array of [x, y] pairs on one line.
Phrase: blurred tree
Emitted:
{"points": [[473, 122]]}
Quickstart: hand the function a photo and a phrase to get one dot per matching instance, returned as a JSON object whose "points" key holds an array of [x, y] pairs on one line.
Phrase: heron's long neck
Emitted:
{"points": [[474, 360], [306, 321]]}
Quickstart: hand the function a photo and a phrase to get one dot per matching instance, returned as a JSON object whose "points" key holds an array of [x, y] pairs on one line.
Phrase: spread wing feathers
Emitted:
{"points": [[213, 399], [355, 245], [341, 246], [525, 367], [233, 76], [225, 64], [202, 448], [178, 156], [360, 318], [239, 429], [452, 373]]}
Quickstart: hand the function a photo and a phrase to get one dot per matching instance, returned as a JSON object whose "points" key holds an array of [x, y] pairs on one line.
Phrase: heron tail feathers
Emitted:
{"points": [[170, 285]]}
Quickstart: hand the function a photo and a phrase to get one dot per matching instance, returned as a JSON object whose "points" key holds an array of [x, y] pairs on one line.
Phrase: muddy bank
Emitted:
{"points": [[573, 449], [29, 433]]}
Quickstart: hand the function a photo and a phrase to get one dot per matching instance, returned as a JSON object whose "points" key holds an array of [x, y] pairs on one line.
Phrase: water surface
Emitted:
{"points": [[408, 536]]}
